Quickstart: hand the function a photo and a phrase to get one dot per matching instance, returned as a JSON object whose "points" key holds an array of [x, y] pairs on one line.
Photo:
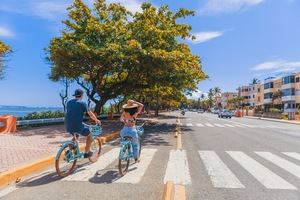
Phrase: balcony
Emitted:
{"points": [[269, 90], [288, 98], [267, 101], [288, 86]]}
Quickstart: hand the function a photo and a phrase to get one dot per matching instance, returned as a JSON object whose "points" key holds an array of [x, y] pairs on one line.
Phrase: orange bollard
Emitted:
{"points": [[9, 124]]}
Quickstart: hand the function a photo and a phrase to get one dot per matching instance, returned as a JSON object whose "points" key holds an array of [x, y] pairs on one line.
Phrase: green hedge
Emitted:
{"points": [[43, 115], [275, 110]]}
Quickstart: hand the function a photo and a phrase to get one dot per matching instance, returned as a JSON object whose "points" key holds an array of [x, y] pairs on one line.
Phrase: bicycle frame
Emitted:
{"points": [[95, 130]]}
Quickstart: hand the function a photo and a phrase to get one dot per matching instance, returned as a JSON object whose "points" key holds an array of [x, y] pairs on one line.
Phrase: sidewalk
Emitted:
{"points": [[275, 120], [27, 146]]}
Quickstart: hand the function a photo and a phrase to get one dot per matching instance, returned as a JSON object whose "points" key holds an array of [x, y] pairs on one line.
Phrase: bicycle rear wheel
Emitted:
{"points": [[96, 149], [124, 160], [65, 162]]}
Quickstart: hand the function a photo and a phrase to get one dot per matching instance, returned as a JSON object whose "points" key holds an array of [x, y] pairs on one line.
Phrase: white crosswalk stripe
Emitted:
{"points": [[90, 170], [134, 176], [189, 124], [178, 168], [219, 125], [292, 155], [229, 125], [209, 125], [265, 176], [281, 162], [200, 125], [219, 173]]}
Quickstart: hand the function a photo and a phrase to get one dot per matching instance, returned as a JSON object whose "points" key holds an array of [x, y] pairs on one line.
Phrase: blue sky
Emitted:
{"points": [[236, 39]]}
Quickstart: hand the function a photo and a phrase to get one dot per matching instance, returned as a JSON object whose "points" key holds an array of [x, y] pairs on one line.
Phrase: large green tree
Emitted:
{"points": [[4, 50], [120, 53]]}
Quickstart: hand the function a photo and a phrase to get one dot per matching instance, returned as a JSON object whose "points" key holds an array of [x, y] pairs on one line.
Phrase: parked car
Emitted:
{"points": [[225, 113], [200, 111]]}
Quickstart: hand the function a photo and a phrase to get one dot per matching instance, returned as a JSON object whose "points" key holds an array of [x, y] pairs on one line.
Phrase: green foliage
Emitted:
{"points": [[275, 110], [120, 53], [284, 116], [43, 115], [4, 50]]}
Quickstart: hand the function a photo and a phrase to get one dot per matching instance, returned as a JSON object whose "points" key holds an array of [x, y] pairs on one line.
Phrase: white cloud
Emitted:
{"points": [[206, 36], [227, 6], [46, 9], [5, 32], [277, 66], [55, 10], [196, 95]]}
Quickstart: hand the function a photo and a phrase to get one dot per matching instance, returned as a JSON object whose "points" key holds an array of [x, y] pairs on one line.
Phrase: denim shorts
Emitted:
{"points": [[83, 132]]}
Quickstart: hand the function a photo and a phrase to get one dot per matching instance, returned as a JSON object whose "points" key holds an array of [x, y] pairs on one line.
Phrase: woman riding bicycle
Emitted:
{"points": [[128, 117]]}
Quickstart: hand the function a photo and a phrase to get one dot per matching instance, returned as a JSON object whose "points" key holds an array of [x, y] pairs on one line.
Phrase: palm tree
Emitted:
{"points": [[276, 96], [217, 93], [255, 81]]}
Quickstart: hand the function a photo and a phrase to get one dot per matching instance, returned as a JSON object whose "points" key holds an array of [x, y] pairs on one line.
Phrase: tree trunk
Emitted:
{"points": [[99, 106]]}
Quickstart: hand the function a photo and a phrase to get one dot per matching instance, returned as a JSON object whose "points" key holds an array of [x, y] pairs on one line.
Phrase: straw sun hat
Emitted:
{"points": [[129, 105]]}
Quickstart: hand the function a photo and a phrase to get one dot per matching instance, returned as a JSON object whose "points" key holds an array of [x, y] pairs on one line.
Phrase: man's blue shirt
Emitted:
{"points": [[74, 115]]}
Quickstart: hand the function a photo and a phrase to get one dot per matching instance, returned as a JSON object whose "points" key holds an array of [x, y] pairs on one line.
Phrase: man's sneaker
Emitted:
{"points": [[137, 160], [88, 155]]}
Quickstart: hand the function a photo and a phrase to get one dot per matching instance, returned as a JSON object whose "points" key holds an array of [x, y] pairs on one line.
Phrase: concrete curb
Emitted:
{"points": [[169, 191], [15, 175], [272, 120], [172, 191]]}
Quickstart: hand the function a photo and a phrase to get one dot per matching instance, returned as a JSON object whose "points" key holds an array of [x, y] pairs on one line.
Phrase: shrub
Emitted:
{"points": [[275, 110], [284, 116], [43, 115]]}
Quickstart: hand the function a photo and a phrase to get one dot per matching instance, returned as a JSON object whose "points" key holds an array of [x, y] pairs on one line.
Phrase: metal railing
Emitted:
{"points": [[52, 120]]}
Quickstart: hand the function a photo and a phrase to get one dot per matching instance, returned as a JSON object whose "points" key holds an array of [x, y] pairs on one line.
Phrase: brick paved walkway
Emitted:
{"points": [[30, 145]]}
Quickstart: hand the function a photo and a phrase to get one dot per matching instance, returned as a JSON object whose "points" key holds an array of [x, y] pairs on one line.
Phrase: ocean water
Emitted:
{"points": [[23, 111]]}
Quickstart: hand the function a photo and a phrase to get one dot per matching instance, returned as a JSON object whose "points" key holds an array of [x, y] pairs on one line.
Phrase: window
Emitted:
{"points": [[268, 85], [288, 92], [268, 95], [297, 79], [288, 80], [258, 90], [253, 96]]}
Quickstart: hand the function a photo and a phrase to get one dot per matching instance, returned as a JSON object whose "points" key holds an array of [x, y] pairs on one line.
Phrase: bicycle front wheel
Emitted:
{"points": [[124, 160], [96, 149], [66, 162]]}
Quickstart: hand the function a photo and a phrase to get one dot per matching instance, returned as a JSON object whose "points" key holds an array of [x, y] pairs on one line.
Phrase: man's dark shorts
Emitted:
{"points": [[83, 132]]}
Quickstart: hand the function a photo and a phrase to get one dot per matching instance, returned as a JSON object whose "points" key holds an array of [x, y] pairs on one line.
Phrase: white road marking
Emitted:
{"points": [[178, 168], [280, 162], [238, 125], [199, 125], [292, 155], [219, 125], [136, 175], [229, 125], [7, 190], [219, 173], [90, 170], [209, 125], [189, 124], [265, 176]]}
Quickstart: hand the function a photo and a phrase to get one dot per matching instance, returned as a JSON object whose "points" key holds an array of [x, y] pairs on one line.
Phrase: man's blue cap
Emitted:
{"points": [[78, 93]]}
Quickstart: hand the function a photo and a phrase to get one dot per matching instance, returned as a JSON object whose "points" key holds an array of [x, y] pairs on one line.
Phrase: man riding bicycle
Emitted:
{"points": [[76, 110]]}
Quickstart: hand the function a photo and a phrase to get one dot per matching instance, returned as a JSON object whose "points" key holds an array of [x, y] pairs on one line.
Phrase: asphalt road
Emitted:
{"points": [[101, 180], [241, 158], [236, 158]]}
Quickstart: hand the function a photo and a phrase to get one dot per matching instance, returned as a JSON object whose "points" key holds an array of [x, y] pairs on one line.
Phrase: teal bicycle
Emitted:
{"points": [[69, 152], [126, 151]]}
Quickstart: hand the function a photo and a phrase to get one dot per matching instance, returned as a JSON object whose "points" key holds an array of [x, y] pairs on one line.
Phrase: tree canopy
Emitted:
{"points": [[110, 51], [4, 50]]}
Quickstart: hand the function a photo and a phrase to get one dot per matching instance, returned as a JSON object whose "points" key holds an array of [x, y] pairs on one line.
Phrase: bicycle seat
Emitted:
{"points": [[127, 138]]}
